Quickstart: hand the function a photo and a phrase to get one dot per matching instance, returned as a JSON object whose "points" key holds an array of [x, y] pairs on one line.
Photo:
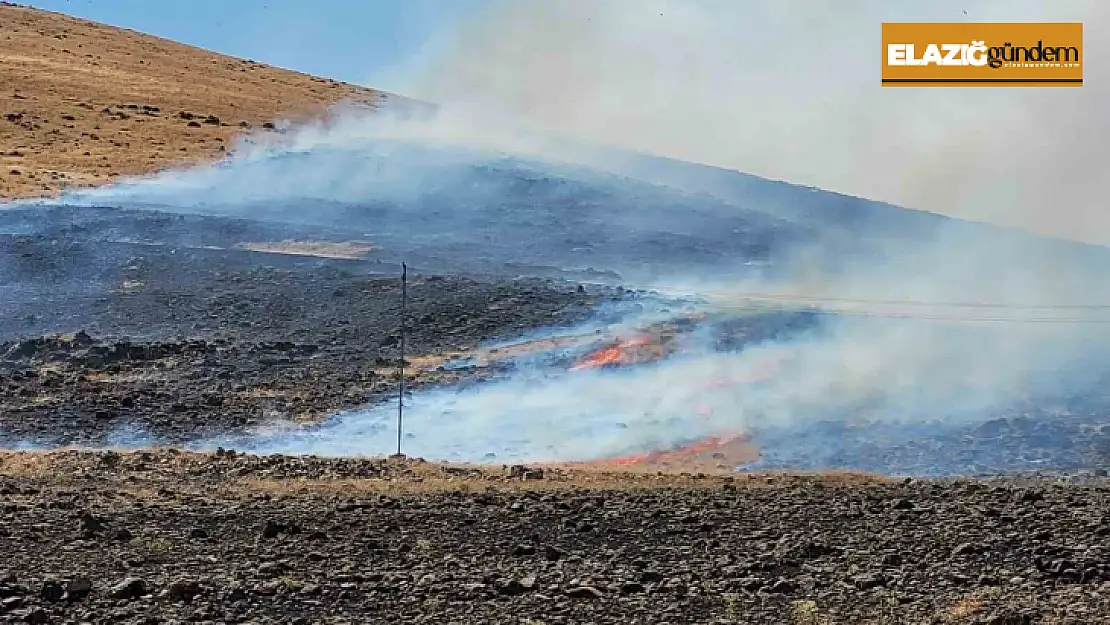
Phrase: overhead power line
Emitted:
{"points": [[915, 303], [915, 315]]}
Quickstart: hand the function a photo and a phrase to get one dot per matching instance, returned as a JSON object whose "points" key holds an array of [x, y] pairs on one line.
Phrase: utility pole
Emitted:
{"points": [[401, 392]]}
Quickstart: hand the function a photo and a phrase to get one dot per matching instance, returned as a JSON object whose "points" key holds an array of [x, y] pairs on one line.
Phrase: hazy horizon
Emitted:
{"points": [[729, 84]]}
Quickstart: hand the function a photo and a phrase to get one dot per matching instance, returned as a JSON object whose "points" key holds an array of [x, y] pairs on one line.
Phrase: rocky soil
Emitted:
{"points": [[104, 342], [118, 329], [243, 347], [153, 537]]}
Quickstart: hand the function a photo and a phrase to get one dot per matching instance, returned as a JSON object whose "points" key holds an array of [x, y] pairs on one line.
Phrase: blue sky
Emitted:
{"points": [[352, 40]]}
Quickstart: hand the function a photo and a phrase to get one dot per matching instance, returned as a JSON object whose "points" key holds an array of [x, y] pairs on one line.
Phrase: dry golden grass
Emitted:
{"points": [[515, 350], [127, 377], [423, 368], [167, 466], [25, 464], [494, 481], [324, 249], [963, 610], [430, 361], [968, 608], [430, 478], [73, 92]]}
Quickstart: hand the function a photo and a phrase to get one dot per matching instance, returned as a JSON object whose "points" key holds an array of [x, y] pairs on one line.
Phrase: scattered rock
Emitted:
{"points": [[269, 569], [902, 504], [510, 587], [129, 588], [782, 587], [584, 592], [525, 473], [869, 581], [90, 525], [632, 588], [964, 549], [52, 591], [273, 529], [36, 616], [1009, 617], [78, 589], [183, 590]]}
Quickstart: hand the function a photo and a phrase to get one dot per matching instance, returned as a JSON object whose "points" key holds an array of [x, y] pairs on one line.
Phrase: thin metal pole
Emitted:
{"points": [[401, 392]]}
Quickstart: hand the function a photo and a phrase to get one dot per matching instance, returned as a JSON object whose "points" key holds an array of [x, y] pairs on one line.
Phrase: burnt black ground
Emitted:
{"points": [[240, 347], [187, 336], [123, 327], [174, 339], [1024, 439]]}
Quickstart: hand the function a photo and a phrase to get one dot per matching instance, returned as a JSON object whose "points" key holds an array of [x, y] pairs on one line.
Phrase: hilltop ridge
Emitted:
{"points": [[85, 103]]}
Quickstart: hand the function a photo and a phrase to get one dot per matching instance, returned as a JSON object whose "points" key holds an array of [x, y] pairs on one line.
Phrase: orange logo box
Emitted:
{"points": [[982, 55]]}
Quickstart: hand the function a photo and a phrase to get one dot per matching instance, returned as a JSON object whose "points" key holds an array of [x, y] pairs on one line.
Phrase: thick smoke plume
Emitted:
{"points": [[790, 90], [940, 322]]}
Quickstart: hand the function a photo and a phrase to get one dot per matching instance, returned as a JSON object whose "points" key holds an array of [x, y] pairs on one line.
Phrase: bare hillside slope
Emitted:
{"points": [[83, 103]]}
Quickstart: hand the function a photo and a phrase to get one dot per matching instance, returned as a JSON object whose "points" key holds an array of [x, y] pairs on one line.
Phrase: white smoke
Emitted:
{"points": [[783, 89], [790, 90]]}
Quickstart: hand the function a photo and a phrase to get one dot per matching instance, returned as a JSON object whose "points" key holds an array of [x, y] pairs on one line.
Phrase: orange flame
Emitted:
{"points": [[708, 445], [642, 348]]}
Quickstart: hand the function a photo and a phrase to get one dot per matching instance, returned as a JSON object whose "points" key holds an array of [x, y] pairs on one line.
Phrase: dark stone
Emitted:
{"points": [[130, 588], [78, 589], [869, 581], [510, 587], [584, 592], [272, 529], [782, 587], [632, 588], [183, 590], [964, 549], [52, 591], [90, 524]]}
